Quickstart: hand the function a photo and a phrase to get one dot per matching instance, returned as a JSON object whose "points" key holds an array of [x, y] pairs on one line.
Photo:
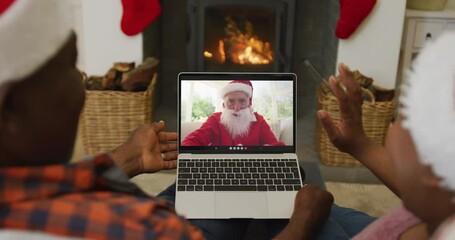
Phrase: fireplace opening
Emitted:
{"points": [[239, 35]]}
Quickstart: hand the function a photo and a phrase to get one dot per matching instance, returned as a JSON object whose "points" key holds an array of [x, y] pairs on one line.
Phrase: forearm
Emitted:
{"points": [[376, 158], [121, 159]]}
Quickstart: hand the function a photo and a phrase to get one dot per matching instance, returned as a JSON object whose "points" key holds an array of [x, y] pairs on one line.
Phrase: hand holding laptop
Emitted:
{"points": [[311, 209]]}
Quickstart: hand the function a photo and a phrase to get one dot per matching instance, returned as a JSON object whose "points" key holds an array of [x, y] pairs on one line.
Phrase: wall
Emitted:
{"points": [[100, 39], [375, 47]]}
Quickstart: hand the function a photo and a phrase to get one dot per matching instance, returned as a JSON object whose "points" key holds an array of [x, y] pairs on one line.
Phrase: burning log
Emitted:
{"points": [[243, 47]]}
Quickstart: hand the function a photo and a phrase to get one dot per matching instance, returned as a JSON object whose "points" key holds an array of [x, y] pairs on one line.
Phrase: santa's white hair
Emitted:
{"points": [[428, 98]]}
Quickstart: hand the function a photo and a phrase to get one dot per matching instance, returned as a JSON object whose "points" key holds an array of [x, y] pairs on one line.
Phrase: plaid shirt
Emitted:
{"points": [[90, 199]]}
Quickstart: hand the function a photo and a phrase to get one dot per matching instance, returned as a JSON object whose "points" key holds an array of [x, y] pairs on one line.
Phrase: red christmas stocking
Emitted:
{"points": [[138, 14], [5, 4], [352, 14]]}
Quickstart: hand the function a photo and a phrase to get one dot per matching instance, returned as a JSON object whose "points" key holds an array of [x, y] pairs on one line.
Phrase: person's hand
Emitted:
{"points": [[311, 209], [347, 134], [147, 150], [312, 202]]}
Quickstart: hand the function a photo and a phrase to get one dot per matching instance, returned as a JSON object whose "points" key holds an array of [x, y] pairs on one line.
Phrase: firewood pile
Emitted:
{"points": [[124, 76]]}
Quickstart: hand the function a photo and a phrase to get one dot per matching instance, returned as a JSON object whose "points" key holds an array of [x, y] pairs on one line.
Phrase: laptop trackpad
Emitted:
{"points": [[241, 205]]}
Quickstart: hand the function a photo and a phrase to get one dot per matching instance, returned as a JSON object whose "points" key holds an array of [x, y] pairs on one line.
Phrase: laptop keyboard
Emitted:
{"points": [[238, 175]]}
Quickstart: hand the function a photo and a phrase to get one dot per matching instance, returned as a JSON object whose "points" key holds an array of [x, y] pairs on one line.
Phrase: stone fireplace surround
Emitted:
{"points": [[314, 39]]}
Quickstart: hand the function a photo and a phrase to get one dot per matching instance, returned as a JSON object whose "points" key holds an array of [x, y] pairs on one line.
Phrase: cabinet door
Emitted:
{"points": [[427, 31]]}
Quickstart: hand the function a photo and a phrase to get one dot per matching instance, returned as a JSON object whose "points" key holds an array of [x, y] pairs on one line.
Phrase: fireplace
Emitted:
{"points": [[240, 35]]}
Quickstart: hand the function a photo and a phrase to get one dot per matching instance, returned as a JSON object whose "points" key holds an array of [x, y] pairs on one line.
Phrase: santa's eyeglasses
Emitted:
{"points": [[240, 103]]}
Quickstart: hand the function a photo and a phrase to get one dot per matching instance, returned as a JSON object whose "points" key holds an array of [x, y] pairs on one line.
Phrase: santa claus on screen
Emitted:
{"points": [[237, 124]]}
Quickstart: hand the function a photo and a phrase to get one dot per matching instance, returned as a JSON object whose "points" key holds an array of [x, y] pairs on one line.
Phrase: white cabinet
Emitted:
{"points": [[421, 27], [426, 30]]}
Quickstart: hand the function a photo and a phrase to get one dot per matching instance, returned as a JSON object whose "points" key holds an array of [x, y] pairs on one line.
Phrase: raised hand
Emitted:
{"points": [[347, 134], [149, 149]]}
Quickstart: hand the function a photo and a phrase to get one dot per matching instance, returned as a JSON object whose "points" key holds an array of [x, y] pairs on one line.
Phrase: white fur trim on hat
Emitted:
{"points": [[31, 33], [446, 230], [428, 99], [237, 87]]}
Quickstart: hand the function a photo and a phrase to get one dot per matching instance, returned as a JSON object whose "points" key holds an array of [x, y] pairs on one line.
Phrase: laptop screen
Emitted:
{"points": [[237, 112]]}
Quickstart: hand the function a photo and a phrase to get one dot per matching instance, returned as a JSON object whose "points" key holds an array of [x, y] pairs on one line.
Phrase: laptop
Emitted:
{"points": [[219, 177]]}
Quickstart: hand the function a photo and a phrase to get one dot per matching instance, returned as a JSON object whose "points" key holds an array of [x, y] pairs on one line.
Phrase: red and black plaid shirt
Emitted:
{"points": [[90, 199]]}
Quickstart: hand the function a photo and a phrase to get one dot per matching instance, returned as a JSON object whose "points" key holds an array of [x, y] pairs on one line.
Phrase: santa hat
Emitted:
{"points": [[31, 33], [428, 100], [239, 86]]}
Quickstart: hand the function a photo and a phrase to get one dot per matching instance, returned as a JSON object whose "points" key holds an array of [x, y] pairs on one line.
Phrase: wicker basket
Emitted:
{"points": [[109, 117], [376, 118]]}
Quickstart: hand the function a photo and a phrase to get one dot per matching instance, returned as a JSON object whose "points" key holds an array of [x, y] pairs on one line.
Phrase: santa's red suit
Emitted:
{"points": [[213, 133]]}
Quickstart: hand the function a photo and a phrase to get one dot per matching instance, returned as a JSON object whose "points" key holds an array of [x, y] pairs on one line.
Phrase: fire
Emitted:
{"points": [[252, 56], [221, 50], [243, 47], [208, 54]]}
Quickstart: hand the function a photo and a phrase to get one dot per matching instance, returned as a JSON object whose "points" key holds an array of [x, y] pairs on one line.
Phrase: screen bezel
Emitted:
{"points": [[237, 76]]}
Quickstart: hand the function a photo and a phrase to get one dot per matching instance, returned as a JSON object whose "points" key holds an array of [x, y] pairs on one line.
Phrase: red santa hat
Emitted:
{"points": [[239, 86], [31, 33]]}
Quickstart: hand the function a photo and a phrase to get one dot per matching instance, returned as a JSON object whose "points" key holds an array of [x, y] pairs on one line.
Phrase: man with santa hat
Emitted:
{"points": [[237, 124]]}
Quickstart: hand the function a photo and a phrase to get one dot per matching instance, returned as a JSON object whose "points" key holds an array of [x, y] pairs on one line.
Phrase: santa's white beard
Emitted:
{"points": [[237, 123]]}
